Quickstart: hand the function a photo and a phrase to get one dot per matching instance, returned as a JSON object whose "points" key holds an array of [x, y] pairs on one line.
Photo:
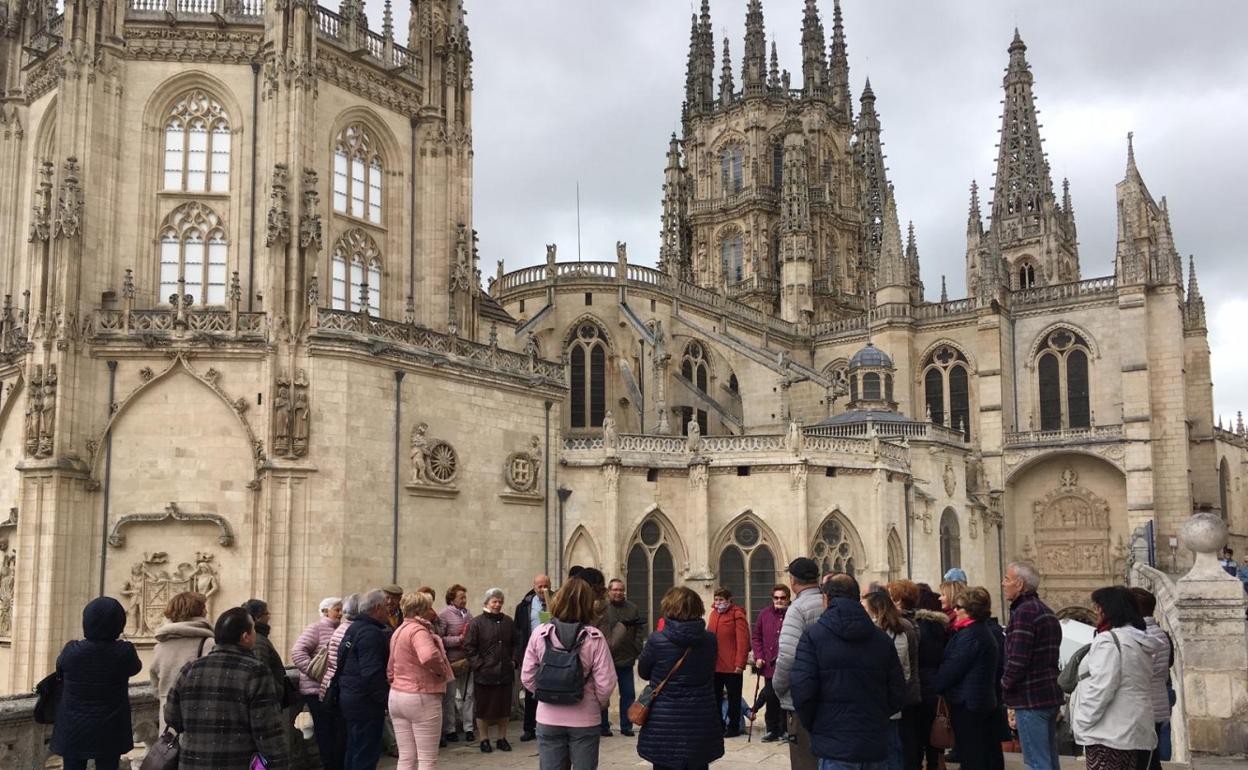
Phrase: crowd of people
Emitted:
{"points": [[851, 677]]}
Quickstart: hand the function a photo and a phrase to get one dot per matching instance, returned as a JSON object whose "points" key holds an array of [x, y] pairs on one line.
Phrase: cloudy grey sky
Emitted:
{"points": [[590, 90]]}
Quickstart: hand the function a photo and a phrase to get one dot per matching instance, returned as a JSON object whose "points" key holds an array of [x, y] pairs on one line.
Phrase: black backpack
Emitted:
{"points": [[560, 677]]}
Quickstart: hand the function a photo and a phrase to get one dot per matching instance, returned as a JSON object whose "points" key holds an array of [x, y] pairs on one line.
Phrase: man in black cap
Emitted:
{"points": [[804, 612]]}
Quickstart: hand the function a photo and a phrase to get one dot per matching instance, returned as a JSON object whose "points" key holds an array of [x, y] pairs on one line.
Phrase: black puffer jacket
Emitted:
{"points": [[93, 718], [933, 636], [968, 675], [684, 728], [490, 644]]}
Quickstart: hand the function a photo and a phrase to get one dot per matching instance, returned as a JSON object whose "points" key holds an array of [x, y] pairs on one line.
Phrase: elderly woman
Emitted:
{"points": [[186, 636], [968, 677], [93, 716], [1111, 709], [418, 671], [313, 646], [489, 643]]}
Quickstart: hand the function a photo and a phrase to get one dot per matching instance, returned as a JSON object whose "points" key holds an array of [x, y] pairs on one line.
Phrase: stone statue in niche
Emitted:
{"points": [[34, 396], [40, 425], [532, 351], [693, 440], [610, 439], [300, 416], [950, 479], [793, 439], [152, 584], [281, 417], [8, 576], [419, 454], [659, 355]]}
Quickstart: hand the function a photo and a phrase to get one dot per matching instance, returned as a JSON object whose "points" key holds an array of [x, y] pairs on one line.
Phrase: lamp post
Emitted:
{"points": [[564, 493]]}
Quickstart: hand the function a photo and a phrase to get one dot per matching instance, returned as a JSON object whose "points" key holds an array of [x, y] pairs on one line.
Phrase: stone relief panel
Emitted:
{"points": [[8, 577], [291, 415], [434, 464], [154, 580], [1072, 541]]}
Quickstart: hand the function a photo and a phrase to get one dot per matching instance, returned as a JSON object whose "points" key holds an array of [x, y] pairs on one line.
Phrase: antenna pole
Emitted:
{"points": [[578, 220]]}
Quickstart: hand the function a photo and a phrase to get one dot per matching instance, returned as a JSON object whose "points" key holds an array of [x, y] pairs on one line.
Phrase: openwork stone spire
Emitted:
{"points": [[842, 102], [870, 159], [726, 86], [1194, 305], [754, 62], [814, 63]]}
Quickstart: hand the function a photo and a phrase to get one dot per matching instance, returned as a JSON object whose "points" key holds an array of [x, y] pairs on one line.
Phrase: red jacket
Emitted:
{"points": [[732, 632]]}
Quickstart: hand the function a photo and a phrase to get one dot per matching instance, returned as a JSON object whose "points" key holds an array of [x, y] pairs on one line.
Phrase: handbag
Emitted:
{"points": [[319, 664], [163, 754], [639, 712], [48, 697], [941, 736]]}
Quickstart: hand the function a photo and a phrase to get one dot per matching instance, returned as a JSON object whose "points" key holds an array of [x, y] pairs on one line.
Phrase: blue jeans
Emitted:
{"points": [[896, 758], [836, 764], [364, 743], [628, 694], [1037, 732]]}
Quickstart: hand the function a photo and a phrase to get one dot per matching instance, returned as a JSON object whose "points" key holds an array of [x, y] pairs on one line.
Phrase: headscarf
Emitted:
{"points": [[103, 619]]}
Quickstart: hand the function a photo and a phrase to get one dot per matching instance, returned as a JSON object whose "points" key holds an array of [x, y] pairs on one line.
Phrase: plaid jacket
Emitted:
{"points": [[224, 709], [1032, 641]]}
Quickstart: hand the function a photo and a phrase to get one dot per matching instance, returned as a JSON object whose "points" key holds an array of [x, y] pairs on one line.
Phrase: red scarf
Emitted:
{"points": [[958, 625]]}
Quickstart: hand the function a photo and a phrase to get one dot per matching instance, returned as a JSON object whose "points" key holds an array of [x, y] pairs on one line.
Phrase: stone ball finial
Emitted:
{"points": [[1204, 534]]}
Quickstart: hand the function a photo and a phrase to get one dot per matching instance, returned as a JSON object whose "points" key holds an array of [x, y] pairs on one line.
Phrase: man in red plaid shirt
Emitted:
{"points": [[1029, 684]]}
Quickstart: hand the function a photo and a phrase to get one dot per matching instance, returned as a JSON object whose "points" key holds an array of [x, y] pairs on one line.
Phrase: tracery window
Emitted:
{"points": [[587, 357], [834, 549], [731, 252], [356, 262], [731, 168], [357, 174], [1063, 382], [650, 570], [1026, 275], [950, 541], [694, 368], [193, 254], [197, 145], [946, 389], [777, 165], [748, 568]]}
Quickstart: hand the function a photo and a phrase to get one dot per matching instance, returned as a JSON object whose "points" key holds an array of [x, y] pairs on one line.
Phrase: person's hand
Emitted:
{"points": [[760, 663], [740, 669]]}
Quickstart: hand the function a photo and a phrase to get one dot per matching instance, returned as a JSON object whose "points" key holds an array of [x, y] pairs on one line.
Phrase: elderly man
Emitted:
{"points": [[393, 594], [803, 613], [1029, 684], [364, 689], [626, 633], [529, 615]]}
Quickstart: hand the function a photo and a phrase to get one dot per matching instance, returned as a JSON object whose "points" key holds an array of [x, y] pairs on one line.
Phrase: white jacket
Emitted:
{"points": [[1113, 704], [1161, 670]]}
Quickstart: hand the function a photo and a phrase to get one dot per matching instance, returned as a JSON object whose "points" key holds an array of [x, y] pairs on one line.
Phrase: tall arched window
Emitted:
{"points": [[356, 261], [357, 174], [731, 168], [1026, 275], [650, 569], [947, 389], [587, 357], [748, 568], [777, 165], [731, 253], [197, 145], [834, 547], [871, 386], [896, 556], [1063, 381], [193, 254], [694, 368], [950, 541]]}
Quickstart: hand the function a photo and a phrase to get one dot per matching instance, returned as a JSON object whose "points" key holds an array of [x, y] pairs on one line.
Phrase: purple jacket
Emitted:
{"points": [[765, 638]]}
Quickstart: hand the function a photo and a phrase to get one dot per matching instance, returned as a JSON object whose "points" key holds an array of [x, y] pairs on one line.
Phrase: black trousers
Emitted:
{"points": [[530, 712], [730, 683], [979, 744], [774, 715], [912, 736]]}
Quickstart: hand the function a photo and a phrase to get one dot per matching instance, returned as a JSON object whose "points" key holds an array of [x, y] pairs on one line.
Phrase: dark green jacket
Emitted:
{"points": [[625, 630]]}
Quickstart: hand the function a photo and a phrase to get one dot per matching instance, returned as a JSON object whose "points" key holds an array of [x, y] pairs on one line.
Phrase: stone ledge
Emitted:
{"points": [[431, 490]]}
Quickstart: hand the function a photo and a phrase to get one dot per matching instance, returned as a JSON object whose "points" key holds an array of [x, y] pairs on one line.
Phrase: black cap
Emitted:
{"points": [[804, 569]]}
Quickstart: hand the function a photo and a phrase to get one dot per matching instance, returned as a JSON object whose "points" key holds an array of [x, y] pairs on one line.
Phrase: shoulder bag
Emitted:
{"points": [[639, 712], [941, 736], [163, 754], [319, 664], [48, 697]]}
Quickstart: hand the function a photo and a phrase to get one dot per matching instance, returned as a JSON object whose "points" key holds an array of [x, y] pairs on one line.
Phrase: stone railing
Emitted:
{"points": [[762, 448], [176, 9], [954, 307], [169, 322], [752, 284], [1092, 287], [332, 323], [332, 26], [26, 742], [1094, 435], [1231, 437], [922, 431]]}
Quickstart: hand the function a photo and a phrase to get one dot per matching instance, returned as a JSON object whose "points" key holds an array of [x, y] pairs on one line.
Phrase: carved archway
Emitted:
{"points": [[1072, 540], [580, 544]]}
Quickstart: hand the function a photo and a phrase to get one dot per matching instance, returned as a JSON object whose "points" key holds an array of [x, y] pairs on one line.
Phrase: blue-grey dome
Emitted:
{"points": [[870, 356], [862, 415]]}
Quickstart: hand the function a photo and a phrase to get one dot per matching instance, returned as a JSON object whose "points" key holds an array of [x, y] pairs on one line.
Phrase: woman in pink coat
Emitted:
{"points": [[418, 672], [314, 639]]}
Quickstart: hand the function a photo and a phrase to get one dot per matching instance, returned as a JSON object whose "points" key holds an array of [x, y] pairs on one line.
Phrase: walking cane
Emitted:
{"points": [[749, 730]]}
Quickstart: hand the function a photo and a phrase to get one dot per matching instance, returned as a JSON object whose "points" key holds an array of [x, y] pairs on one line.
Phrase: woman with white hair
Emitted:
{"points": [[310, 654], [490, 643], [337, 748]]}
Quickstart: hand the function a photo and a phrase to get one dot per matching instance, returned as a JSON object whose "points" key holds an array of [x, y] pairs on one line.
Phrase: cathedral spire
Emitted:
{"points": [[1194, 306], [944, 290], [814, 63], [773, 72], [700, 76], [842, 102], [892, 269], [726, 86], [870, 159], [912, 262], [754, 61], [674, 245], [1145, 253], [975, 221]]}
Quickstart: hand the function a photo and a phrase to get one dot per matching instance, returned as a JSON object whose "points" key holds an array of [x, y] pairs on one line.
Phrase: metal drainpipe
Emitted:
{"points": [[108, 475], [398, 414], [909, 536], [546, 495], [255, 122], [411, 270]]}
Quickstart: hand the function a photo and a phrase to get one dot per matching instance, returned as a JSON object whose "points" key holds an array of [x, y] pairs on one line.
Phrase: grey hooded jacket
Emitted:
{"points": [[804, 612]]}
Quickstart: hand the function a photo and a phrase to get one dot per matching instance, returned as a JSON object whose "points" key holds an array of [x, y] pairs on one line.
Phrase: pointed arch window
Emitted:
{"points": [[587, 357], [694, 368], [356, 262], [358, 171], [650, 570], [747, 567], [1026, 275], [834, 548], [731, 168], [947, 389], [194, 254], [197, 145], [896, 555], [777, 165], [950, 541], [731, 253], [1063, 382]]}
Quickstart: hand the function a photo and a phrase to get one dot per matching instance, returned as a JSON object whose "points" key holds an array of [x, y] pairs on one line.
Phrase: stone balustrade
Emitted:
{"points": [[1097, 288], [1093, 435], [911, 430], [24, 743], [750, 449]]}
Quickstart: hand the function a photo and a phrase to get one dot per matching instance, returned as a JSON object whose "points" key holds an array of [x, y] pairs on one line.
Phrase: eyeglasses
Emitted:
{"points": [[780, 598], [959, 607]]}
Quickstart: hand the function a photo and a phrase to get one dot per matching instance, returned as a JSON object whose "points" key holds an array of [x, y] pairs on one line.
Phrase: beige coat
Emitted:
{"points": [[176, 645]]}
